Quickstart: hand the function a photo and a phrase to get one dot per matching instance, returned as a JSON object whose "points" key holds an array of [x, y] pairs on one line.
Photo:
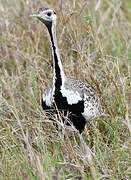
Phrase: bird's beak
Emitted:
{"points": [[34, 15], [39, 16]]}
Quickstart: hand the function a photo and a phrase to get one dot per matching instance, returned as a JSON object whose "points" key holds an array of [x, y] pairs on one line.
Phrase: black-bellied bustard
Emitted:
{"points": [[73, 97]]}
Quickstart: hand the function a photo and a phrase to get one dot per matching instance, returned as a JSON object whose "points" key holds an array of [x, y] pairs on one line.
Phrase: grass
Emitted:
{"points": [[95, 45]]}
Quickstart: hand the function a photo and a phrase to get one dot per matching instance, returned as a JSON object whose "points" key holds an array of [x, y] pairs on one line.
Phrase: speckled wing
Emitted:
{"points": [[85, 92]]}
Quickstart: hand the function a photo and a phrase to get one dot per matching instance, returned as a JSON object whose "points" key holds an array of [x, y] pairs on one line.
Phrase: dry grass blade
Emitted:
{"points": [[95, 45]]}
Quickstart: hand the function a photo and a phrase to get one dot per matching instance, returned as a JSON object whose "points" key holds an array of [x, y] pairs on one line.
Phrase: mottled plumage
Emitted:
{"points": [[77, 91]]}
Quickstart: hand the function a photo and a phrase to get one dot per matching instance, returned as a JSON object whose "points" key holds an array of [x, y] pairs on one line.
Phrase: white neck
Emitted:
{"points": [[55, 56]]}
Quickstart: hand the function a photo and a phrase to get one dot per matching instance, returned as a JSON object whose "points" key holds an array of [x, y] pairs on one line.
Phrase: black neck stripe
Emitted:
{"points": [[58, 81]]}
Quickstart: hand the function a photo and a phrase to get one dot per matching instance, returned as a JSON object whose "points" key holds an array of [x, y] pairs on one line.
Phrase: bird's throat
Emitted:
{"points": [[58, 72]]}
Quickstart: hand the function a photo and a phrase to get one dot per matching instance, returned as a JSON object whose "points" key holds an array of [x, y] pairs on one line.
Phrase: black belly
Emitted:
{"points": [[75, 111]]}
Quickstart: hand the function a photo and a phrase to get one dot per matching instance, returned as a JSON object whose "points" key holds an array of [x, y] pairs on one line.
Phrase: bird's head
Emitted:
{"points": [[46, 15]]}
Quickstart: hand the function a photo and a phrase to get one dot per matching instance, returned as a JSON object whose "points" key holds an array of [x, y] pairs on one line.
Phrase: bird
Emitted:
{"points": [[73, 97]]}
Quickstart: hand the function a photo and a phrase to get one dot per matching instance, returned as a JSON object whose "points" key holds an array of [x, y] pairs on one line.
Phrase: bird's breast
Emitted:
{"points": [[69, 100]]}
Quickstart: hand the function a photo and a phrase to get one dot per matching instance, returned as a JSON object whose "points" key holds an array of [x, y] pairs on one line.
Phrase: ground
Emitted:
{"points": [[94, 40]]}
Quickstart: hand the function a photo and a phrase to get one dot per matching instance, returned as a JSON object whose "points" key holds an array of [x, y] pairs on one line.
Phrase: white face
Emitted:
{"points": [[45, 15]]}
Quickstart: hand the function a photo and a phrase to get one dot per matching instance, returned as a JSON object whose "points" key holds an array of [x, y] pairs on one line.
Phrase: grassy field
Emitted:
{"points": [[95, 44]]}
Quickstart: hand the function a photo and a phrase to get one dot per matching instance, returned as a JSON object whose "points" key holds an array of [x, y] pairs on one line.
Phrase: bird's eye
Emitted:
{"points": [[54, 12], [49, 14]]}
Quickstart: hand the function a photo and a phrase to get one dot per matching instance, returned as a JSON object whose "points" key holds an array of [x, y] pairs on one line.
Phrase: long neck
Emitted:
{"points": [[58, 72]]}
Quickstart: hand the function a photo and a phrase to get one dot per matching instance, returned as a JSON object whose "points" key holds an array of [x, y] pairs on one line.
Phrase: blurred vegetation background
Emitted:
{"points": [[94, 38]]}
